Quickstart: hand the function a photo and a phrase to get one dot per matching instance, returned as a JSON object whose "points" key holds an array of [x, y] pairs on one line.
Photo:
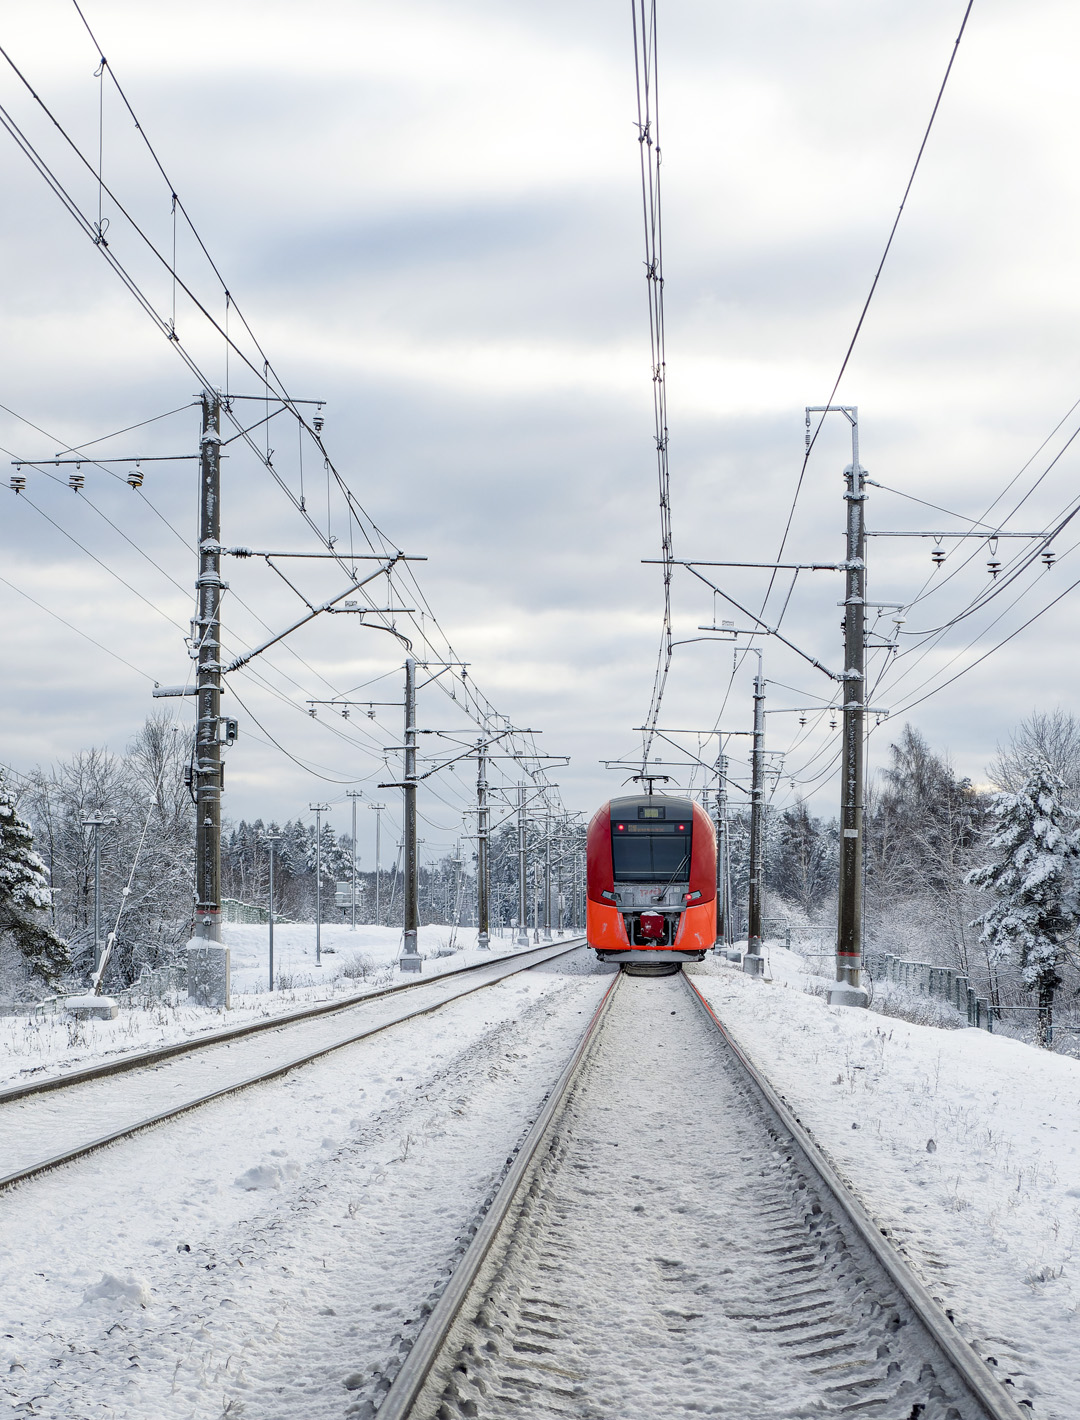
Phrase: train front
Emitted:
{"points": [[651, 883]]}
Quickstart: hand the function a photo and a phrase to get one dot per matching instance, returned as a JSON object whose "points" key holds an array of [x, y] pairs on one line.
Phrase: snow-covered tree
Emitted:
{"points": [[800, 863], [149, 824], [31, 948], [1053, 735], [1034, 917], [922, 825]]}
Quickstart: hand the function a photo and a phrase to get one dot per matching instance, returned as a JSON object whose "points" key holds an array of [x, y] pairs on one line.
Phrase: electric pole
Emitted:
{"points": [[547, 875], [353, 794], [318, 810], [536, 902], [456, 915], [272, 839], [378, 810], [723, 884], [753, 962], [522, 938], [208, 963], [848, 991], [409, 959], [849, 926], [482, 886], [559, 900]]}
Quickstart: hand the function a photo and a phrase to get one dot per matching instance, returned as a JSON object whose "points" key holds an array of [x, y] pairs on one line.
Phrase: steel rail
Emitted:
{"points": [[417, 1367], [137, 1059], [981, 1383], [411, 1387], [91, 1146]]}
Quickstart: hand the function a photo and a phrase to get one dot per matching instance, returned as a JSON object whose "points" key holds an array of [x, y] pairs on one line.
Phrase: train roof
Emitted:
{"points": [[633, 802]]}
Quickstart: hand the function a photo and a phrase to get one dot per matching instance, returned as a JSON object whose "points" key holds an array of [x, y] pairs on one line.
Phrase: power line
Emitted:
{"points": [[1004, 642], [287, 753], [103, 565], [86, 637], [648, 126], [812, 440], [471, 700]]}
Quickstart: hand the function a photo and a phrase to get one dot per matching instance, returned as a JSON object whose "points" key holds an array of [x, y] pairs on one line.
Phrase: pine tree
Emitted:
{"points": [[24, 899], [1034, 916]]}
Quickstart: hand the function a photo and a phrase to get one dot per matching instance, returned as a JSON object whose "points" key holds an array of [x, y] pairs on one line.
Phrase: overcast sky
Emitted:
{"points": [[430, 214]]}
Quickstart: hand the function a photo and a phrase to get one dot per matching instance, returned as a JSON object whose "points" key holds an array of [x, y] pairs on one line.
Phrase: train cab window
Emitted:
{"points": [[651, 852]]}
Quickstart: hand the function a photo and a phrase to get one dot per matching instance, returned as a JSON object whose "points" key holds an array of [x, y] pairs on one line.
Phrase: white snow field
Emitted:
{"points": [[256, 1257], [963, 1144], [55, 1122], [353, 963], [263, 1256]]}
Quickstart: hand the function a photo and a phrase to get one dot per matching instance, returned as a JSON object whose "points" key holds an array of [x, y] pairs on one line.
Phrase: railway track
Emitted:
{"points": [[57, 1120], [135, 1060], [670, 1240]]}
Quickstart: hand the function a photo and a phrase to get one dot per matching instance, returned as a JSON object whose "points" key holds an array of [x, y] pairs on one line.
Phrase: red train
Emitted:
{"points": [[651, 883]]}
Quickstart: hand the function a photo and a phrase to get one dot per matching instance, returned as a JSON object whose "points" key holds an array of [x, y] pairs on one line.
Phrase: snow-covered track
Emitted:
{"points": [[137, 1059], [433, 1345], [30, 1127], [987, 1393], [671, 1241]]}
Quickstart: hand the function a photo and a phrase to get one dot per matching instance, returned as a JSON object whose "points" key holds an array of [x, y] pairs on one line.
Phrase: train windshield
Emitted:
{"points": [[651, 852]]}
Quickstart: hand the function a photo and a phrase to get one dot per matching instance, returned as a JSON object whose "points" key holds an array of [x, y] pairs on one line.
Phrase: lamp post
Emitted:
{"points": [[353, 794], [378, 809], [318, 810]]}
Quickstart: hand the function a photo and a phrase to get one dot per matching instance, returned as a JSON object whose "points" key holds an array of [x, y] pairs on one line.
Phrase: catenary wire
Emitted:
{"points": [[873, 288], [78, 632], [648, 125], [470, 695]]}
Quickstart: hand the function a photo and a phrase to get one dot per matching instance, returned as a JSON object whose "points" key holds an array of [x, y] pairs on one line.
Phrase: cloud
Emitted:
{"points": [[431, 217]]}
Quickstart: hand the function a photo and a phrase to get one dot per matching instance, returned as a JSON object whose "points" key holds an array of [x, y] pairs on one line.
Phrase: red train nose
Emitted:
{"points": [[652, 925]]}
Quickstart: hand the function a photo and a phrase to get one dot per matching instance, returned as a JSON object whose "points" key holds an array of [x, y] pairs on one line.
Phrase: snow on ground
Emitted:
{"points": [[656, 1243], [353, 963], [965, 1145], [346, 953], [256, 1256]]}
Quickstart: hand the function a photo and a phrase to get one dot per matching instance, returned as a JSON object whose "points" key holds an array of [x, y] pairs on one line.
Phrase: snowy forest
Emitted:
{"points": [[981, 879], [447, 885], [146, 842]]}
